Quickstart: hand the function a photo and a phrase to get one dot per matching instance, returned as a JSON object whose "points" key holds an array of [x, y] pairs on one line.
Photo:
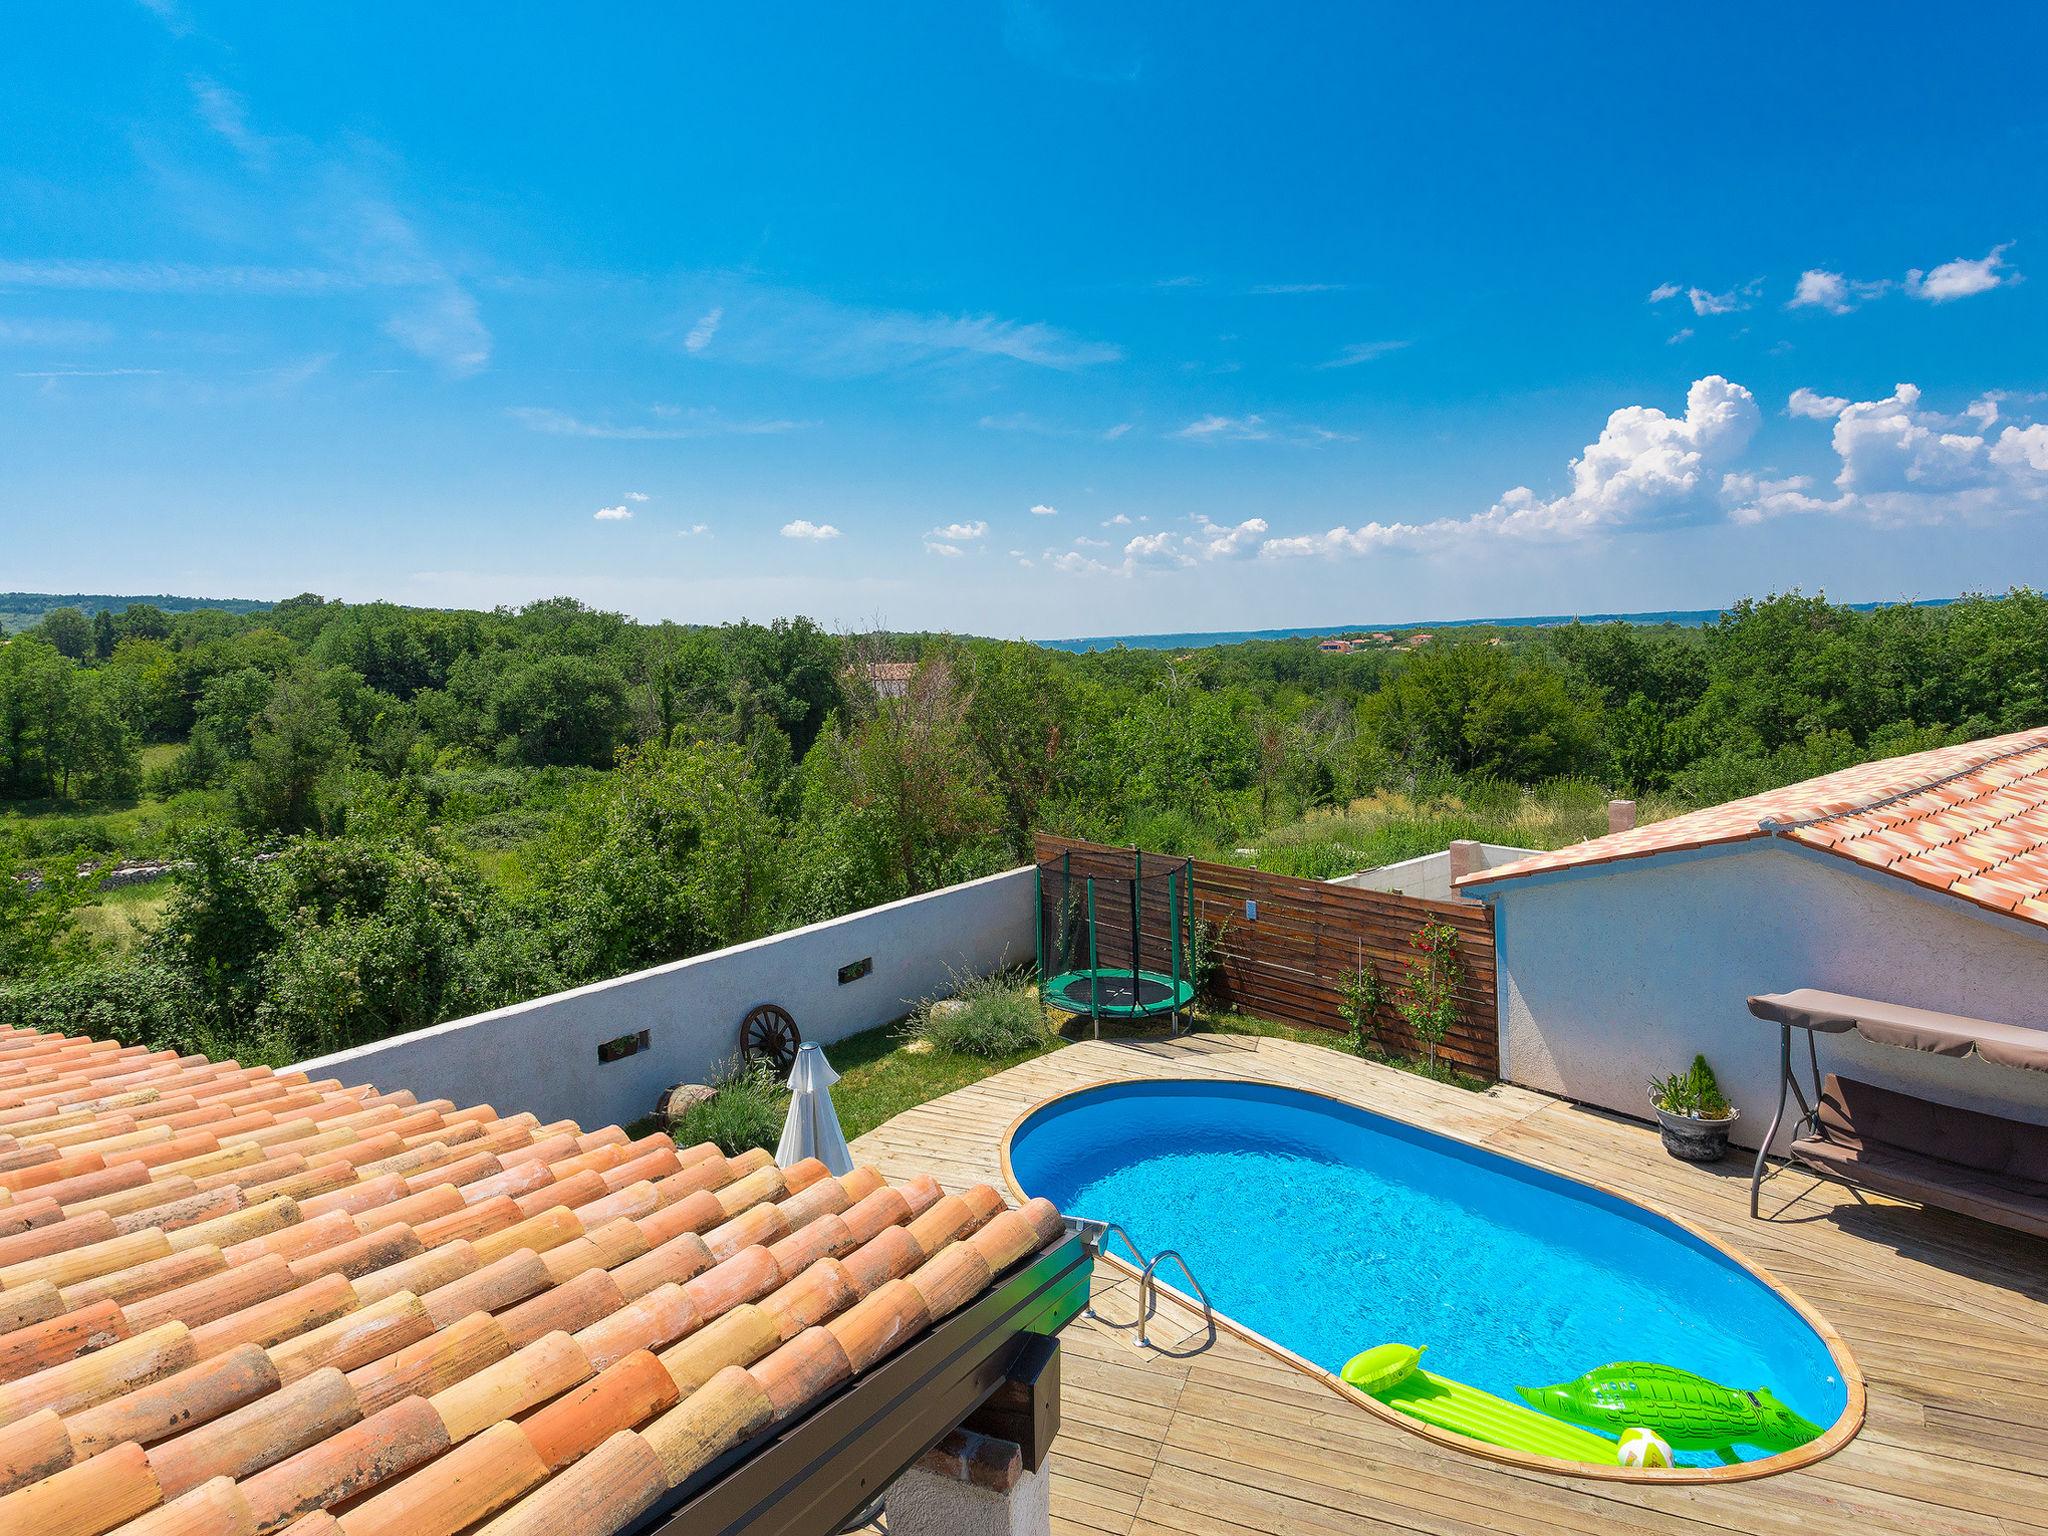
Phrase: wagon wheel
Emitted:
{"points": [[768, 1033]]}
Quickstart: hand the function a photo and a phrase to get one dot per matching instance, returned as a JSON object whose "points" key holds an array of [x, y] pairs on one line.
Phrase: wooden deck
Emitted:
{"points": [[1948, 1319]]}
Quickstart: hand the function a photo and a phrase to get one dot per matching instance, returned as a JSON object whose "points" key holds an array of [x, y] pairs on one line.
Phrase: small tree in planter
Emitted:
{"points": [[1360, 994], [1431, 1004], [1693, 1115]]}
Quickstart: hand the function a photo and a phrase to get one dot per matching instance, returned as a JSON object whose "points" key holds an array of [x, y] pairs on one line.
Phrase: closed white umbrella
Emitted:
{"points": [[812, 1129]]}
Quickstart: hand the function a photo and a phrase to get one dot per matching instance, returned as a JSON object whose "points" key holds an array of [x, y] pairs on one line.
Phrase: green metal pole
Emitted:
{"points": [[1137, 922], [1094, 1004], [1038, 922], [1173, 942]]}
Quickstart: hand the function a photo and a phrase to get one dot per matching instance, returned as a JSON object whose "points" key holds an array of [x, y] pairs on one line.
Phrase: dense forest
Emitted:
{"points": [[378, 817]]}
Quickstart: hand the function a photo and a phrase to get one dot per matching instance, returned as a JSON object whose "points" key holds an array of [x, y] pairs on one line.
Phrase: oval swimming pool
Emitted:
{"points": [[1328, 1229]]}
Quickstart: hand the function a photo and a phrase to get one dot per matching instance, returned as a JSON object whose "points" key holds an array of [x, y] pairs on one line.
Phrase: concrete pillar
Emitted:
{"points": [[971, 1485], [1621, 815], [1466, 859]]}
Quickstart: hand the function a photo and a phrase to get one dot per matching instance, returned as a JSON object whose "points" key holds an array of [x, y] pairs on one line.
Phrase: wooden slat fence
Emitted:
{"points": [[1290, 962]]}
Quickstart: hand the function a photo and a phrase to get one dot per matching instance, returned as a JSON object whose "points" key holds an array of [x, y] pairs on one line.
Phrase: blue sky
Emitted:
{"points": [[1023, 319]]}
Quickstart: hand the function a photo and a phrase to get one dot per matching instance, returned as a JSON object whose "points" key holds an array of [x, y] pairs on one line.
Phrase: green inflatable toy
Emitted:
{"points": [[1447, 1404], [1382, 1367], [1691, 1412]]}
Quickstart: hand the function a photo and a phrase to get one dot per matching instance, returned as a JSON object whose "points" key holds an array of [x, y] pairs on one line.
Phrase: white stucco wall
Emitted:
{"points": [[1427, 877], [1618, 973], [542, 1055]]}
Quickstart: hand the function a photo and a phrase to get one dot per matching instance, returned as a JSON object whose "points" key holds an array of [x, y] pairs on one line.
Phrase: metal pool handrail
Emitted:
{"points": [[1148, 1284]]}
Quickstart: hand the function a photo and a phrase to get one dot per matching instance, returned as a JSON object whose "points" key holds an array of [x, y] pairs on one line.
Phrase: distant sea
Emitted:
{"points": [[1192, 639]]}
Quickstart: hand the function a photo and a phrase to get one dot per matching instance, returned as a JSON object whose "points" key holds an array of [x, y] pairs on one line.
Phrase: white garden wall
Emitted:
{"points": [[1429, 876], [1614, 974], [542, 1055]]}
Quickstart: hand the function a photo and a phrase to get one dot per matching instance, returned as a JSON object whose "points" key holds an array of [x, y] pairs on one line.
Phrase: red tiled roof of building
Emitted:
{"points": [[235, 1300], [1970, 820]]}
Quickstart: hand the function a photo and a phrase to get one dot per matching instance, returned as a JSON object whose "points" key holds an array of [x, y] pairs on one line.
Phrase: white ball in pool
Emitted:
{"points": [[1642, 1448]]}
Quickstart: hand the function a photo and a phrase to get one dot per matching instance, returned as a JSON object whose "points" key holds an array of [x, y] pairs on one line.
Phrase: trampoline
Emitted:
{"points": [[1115, 935]]}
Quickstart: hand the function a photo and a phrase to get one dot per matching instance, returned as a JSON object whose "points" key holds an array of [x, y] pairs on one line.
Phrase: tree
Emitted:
{"points": [[675, 853], [104, 635], [562, 710], [69, 631], [1478, 708], [907, 788], [296, 754]]}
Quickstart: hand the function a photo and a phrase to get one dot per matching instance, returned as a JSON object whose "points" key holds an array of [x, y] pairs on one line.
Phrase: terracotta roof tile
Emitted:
{"points": [[235, 1301], [1970, 820]]}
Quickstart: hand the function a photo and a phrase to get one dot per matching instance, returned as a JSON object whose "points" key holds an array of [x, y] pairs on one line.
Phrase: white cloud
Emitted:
{"points": [[225, 112], [616, 514], [1040, 509], [807, 333], [1900, 463], [694, 531], [1074, 563], [1646, 470], [1644, 467], [1814, 407], [1822, 290], [804, 528], [1267, 290], [1119, 521], [1833, 292], [955, 533], [949, 551], [1960, 279], [1705, 303], [1083, 541], [1024, 421], [1237, 429], [1678, 337], [683, 424], [1241, 542], [636, 496], [1665, 291], [54, 333], [1363, 352], [1156, 550], [707, 327], [1256, 429], [96, 276]]}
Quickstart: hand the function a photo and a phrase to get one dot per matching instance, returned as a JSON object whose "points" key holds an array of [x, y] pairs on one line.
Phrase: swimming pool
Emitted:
{"points": [[1328, 1229]]}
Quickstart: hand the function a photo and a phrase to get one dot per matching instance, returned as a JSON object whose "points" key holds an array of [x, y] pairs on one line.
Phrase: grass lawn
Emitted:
{"points": [[880, 1077]]}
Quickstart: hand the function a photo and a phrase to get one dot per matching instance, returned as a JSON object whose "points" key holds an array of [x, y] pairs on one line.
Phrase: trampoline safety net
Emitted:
{"points": [[1115, 933]]}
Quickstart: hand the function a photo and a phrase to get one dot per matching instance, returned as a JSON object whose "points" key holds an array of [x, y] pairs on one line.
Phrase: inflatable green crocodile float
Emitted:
{"points": [[1691, 1412]]}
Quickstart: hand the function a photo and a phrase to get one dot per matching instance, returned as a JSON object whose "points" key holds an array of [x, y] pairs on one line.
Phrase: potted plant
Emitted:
{"points": [[1693, 1114]]}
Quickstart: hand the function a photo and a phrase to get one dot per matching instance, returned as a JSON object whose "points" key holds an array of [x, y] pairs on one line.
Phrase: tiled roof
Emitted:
{"points": [[1969, 820], [233, 1300]]}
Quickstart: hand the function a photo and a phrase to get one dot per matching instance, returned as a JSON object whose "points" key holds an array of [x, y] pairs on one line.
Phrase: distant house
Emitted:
{"points": [[1381, 637], [1920, 880], [1333, 644], [1421, 637], [891, 679]]}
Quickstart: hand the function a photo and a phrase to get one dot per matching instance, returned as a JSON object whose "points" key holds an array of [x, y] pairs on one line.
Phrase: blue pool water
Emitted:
{"points": [[1330, 1229]]}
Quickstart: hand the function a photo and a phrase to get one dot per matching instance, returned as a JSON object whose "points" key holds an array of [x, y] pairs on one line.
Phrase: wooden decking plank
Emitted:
{"points": [[1945, 1316]]}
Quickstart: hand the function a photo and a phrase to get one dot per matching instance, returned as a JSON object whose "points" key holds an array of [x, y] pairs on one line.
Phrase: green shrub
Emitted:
{"points": [[995, 1016], [1358, 1004], [1695, 1092], [748, 1111]]}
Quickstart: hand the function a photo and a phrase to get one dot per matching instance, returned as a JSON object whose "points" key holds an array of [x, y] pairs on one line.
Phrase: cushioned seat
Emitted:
{"points": [[1961, 1160]]}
